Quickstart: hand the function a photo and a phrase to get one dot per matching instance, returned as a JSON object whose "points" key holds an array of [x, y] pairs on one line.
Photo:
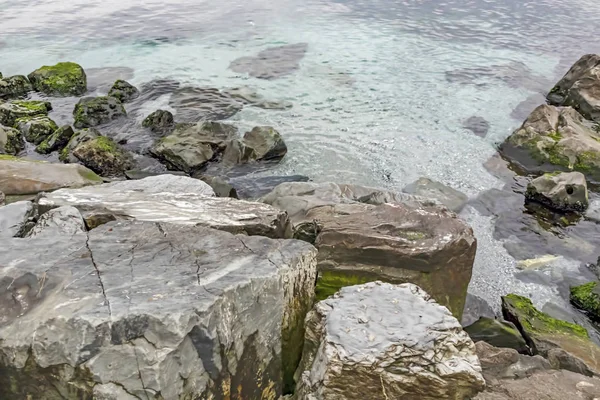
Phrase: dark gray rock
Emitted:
{"points": [[478, 125], [266, 142], [94, 111], [562, 191], [425, 187], [221, 186], [497, 333], [123, 91], [497, 202], [475, 308], [79, 137], [252, 187], [57, 141], [159, 121], [13, 217], [203, 104], [271, 63]]}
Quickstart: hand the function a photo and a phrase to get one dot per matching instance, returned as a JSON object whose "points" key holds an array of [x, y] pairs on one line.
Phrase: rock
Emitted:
{"points": [[478, 125], [544, 333], [61, 221], [535, 263], [271, 63], [580, 87], [266, 142], [11, 112], [79, 137], [11, 141], [587, 298], [221, 187], [14, 86], [19, 176], [159, 121], [203, 104], [103, 156], [97, 217], [62, 79], [506, 363], [425, 187], [37, 128], [57, 141], [123, 91], [13, 217], [2, 198], [555, 139], [238, 152], [251, 187], [94, 111], [562, 191], [139, 174], [497, 202], [365, 234], [189, 147], [497, 333], [137, 310], [250, 96], [174, 199], [475, 308], [379, 340]]}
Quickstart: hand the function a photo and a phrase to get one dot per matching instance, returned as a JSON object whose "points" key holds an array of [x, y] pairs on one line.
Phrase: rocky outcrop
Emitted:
{"points": [[580, 87], [62, 79], [13, 217], [12, 111], [174, 199], [103, 156], [11, 141], [498, 334], [94, 111], [379, 340], [79, 137], [159, 121], [587, 298], [429, 189], [20, 176], [57, 141], [365, 234], [193, 104], [14, 86], [561, 191], [138, 310], [124, 91], [37, 128], [271, 63]]}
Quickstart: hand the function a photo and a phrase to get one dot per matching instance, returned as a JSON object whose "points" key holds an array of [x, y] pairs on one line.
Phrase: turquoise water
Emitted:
{"points": [[379, 98]]}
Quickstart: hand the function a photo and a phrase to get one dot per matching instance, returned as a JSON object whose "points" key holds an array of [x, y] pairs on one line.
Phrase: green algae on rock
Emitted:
{"points": [[10, 112], [79, 137], [36, 128], [57, 141], [587, 298], [103, 156], [497, 333], [62, 79], [14, 86], [159, 121], [11, 141], [123, 91], [94, 111]]}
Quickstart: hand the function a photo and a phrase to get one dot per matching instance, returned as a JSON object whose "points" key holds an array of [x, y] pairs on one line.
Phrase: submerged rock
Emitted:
{"points": [[478, 125], [203, 104], [250, 96], [379, 340], [587, 298], [271, 63], [365, 234], [159, 121], [12, 111], [20, 176], [37, 128], [11, 141], [62, 79], [497, 333], [123, 91], [57, 141], [562, 191], [94, 111], [103, 156], [14, 86], [580, 87], [425, 187]]}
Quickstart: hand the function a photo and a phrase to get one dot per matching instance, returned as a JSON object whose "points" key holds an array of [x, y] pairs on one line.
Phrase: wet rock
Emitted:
{"points": [[221, 187], [12, 218], [62, 79], [20, 176], [203, 104], [250, 96], [497, 202], [478, 125], [561, 191], [365, 234], [12, 111], [497, 333], [153, 309], [57, 141], [266, 142], [271, 63], [587, 298], [11, 141], [159, 121], [139, 174], [555, 139], [14, 87], [379, 340], [61, 221], [37, 128], [580, 87], [103, 156], [251, 187], [544, 333], [123, 91], [79, 137], [425, 187], [94, 111]]}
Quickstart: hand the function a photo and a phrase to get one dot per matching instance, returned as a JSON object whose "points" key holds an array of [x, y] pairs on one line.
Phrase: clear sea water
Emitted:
{"points": [[379, 99]]}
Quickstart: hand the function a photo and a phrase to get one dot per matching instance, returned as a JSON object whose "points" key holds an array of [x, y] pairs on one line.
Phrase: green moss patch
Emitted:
{"points": [[586, 298], [62, 79], [330, 281]]}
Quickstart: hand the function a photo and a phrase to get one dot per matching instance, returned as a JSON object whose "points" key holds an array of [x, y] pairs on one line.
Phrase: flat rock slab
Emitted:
{"points": [[383, 341], [139, 310], [174, 199], [12, 218]]}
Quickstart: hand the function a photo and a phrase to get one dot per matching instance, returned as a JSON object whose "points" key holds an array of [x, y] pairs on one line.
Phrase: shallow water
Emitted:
{"points": [[379, 98]]}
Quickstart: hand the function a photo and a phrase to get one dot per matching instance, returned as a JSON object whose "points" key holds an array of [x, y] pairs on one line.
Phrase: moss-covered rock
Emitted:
{"points": [[497, 333], [561, 191], [10, 112], [56, 141], [94, 111], [159, 121], [587, 298], [14, 86], [37, 128], [123, 91], [62, 79], [103, 156], [11, 141], [79, 137]]}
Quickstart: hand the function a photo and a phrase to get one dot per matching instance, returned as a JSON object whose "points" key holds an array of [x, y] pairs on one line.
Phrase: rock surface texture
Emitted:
{"points": [[11, 141], [14, 86], [62, 79], [497, 333], [562, 191], [140, 310], [383, 341], [365, 234], [13, 217], [425, 187], [94, 111]]}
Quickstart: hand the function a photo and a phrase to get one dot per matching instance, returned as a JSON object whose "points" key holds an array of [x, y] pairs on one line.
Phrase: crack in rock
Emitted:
{"points": [[87, 244]]}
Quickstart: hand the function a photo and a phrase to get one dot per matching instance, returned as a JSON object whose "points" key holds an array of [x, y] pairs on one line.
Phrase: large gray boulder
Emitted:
{"points": [[580, 87], [20, 176], [562, 191], [365, 234], [383, 341], [140, 310], [13, 217], [425, 187], [174, 199]]}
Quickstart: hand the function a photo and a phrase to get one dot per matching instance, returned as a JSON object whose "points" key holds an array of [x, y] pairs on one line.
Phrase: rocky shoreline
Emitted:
{"points": [[121, 281]]}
